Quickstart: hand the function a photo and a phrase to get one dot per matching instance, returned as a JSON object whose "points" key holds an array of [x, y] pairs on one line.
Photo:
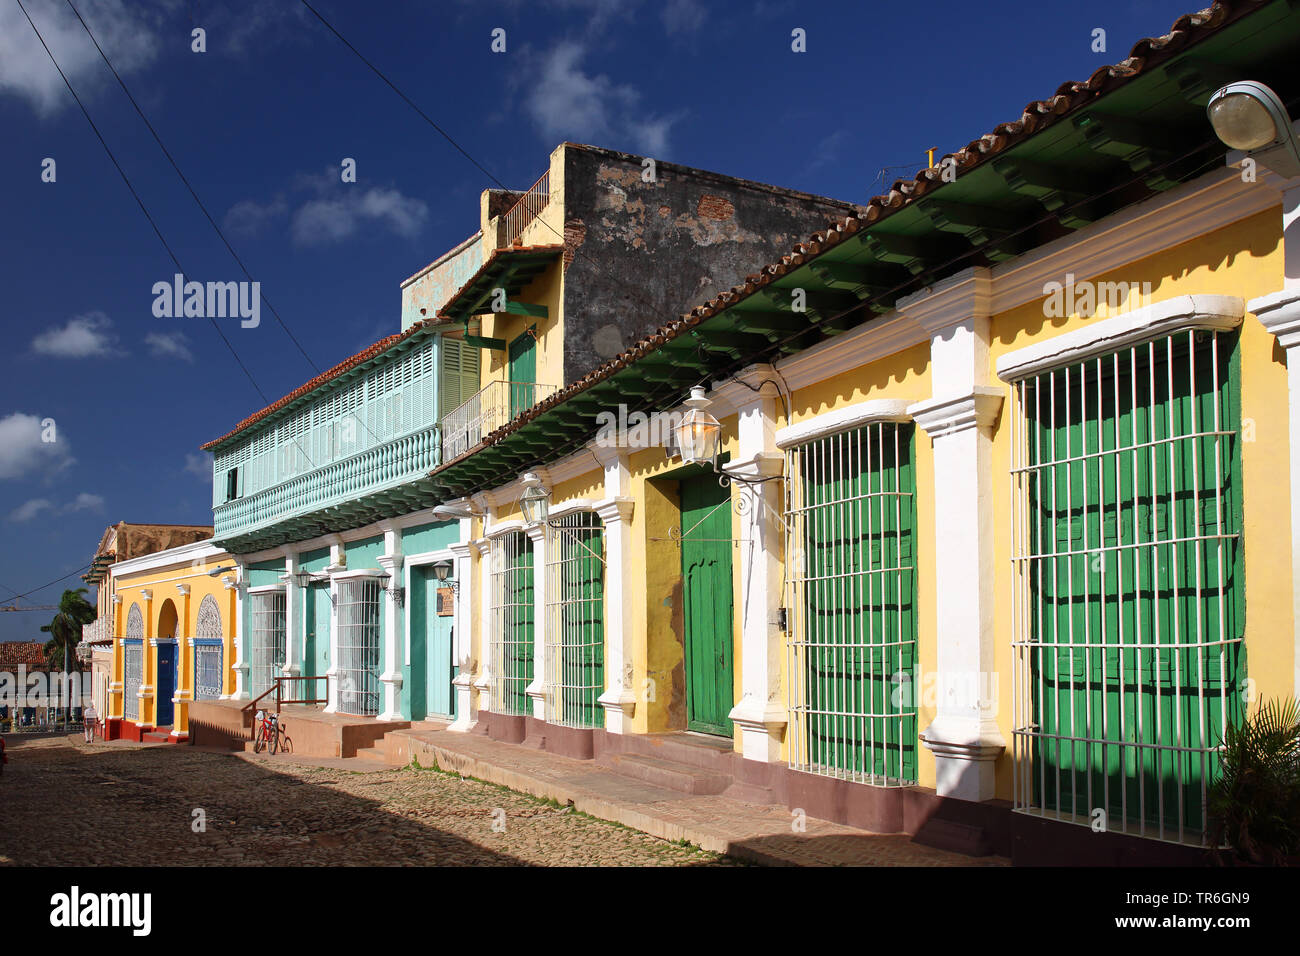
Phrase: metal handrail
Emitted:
{"points": [[526, 209], [491, 407]]}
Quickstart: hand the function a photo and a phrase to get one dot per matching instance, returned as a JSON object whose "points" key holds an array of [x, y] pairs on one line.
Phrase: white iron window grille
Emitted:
{"points": [[268, 639], [1128, 611], [575, 632], [133, 667], [358, 626], [512, 622], [208, 651], [851, 577]]}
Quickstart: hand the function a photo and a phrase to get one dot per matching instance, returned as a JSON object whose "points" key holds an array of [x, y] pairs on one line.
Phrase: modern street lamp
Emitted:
{"points": [[1249, 116]]}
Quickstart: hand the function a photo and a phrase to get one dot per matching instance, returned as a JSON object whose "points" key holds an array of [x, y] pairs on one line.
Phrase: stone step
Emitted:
{"points": [[668, 774], [954, 836], [695, 750], [373, 753]]}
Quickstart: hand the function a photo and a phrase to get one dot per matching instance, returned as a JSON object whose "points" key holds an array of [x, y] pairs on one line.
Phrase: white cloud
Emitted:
{"points": [[85, 502], [683, 16], [567, 103], [199, 466], [335, 217], [249, 217], [169, 345], [84, 336], [24, 449], [129, 37], [30, 510]]}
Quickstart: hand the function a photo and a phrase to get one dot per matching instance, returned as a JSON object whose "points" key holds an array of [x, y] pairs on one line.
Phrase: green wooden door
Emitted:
{"points": [[1137, 612], [522, 372], [707, 594]]}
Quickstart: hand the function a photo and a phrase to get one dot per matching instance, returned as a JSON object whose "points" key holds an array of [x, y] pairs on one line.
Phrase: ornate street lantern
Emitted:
{"points": [[698, 433], [536, 500]]}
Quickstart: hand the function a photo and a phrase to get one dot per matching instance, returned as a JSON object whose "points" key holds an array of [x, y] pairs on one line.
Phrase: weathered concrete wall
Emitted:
{"points": [[641, 253], [431, 287]]}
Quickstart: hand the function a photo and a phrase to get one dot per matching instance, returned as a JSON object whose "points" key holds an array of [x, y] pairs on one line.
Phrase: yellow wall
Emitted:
{"points": [[163, 585]]}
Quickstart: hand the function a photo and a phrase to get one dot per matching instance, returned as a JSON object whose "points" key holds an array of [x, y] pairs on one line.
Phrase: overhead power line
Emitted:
{"points": [[139, 202], [166, 152]]}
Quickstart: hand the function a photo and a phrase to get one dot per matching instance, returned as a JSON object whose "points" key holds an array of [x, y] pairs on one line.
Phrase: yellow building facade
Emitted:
{"points": [[173, 616]]}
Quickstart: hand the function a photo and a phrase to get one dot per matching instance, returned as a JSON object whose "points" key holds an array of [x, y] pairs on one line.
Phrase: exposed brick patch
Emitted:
{"points": [[575, 234], [715, 207]]}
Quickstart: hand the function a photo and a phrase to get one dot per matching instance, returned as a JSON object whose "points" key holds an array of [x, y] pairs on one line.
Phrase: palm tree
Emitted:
{"points": [[65, 630]]}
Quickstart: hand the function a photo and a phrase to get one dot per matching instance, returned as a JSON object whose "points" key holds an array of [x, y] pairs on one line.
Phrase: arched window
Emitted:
{"points": [[133, 662], [208, 651]]}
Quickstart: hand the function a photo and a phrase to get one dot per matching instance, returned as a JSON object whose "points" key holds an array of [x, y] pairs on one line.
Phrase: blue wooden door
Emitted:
{"points": [[166, 683]]}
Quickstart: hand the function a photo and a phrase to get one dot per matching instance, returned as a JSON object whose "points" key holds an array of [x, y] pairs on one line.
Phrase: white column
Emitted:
{"points": [[391, 561], [959, 419], [240, 643], [760, 713], [483, 678], [294, 640], [336, 566], [536, 690], [462, 644]]}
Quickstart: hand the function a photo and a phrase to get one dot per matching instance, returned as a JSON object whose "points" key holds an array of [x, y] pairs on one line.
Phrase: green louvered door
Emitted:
{"points": [[707, 591], [523, 372], [1133, 568], [853, 639]]}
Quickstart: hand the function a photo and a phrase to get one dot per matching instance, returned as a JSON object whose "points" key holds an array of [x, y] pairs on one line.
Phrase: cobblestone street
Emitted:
{"points": [[63, 802]]}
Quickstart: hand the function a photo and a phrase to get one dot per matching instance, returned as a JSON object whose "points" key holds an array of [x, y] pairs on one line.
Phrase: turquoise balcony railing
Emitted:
{"points": [[376, 469]]}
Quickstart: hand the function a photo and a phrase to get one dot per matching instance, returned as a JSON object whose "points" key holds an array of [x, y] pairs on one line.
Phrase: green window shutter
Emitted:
{"points": [[853, 518], [1134, 572], [460, 375]]}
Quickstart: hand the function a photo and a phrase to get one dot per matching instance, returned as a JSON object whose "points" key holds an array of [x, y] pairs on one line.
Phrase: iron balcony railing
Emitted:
{"points": [[526, 209], [375, 469], [491, 407]]}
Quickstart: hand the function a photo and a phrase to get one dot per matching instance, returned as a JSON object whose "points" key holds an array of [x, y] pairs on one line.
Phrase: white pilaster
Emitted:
{"points": [[240, 586], [391, 561], [959, 419], [463, 639], [336, 566], [615, 512], [760, 713], [536, 690], [294, 639], [482, 678]]}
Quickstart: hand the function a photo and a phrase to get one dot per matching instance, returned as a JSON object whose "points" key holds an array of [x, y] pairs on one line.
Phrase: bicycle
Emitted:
{"points": [[267, 733]]}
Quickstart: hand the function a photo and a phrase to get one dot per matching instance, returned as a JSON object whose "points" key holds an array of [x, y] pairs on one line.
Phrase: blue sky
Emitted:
{"points": [[261, 121]]}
